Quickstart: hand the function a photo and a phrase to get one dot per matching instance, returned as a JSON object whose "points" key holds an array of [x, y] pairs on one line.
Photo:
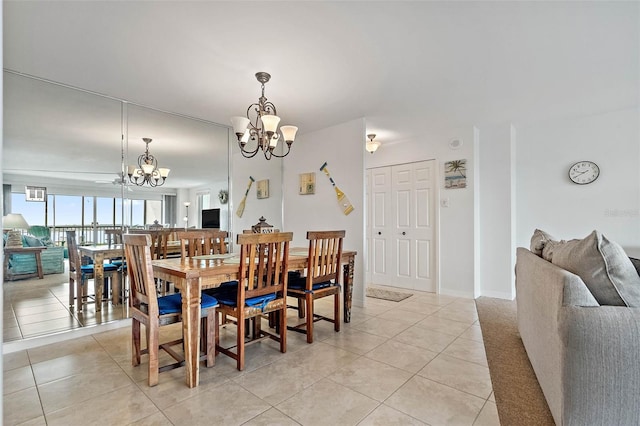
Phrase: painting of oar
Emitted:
{"points": [[240, 210], [343, 201]]}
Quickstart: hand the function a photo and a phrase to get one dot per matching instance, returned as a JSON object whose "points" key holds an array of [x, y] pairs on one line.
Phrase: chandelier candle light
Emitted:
{"points": [[264, 128], [147, 171]]}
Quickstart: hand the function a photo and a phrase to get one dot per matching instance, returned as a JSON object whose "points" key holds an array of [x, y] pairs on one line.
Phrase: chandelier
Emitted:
{"points": [[264, 127], [147, 171], [372, 145]]}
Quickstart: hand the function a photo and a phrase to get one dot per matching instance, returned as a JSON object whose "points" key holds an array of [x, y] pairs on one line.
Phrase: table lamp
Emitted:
{"points": [[14, 222]]}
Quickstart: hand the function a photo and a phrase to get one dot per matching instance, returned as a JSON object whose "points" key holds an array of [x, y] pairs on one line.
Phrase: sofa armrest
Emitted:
{"points": [[541, 290], [601, 370]]}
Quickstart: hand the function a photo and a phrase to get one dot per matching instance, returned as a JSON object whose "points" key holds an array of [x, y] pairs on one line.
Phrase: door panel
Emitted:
{"points": [[402, 229], [380, 251]]}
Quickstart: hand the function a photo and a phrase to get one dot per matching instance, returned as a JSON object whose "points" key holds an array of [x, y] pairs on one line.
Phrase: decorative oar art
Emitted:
{"points": [[343, 201], [240, 210]]}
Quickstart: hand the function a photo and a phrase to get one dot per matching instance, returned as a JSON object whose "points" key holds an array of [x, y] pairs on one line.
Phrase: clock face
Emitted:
{"points": [[584, 172]]}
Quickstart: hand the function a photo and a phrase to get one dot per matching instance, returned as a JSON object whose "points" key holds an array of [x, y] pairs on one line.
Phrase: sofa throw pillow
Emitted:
{"points": [[31, 241], [550, 247], [538, 241], [636, 264], [603, 266]]}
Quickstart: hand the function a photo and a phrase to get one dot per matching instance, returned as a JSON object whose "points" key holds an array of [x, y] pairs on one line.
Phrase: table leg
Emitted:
{"points": [[191, 329], [98, 279], [39, 264], [347, 283]]}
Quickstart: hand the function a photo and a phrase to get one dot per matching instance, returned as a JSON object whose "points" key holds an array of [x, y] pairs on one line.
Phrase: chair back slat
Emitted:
{"points": [[113, 236], [137, 248], [201, 242], [263, 264], [74, 254], [325, 251]]}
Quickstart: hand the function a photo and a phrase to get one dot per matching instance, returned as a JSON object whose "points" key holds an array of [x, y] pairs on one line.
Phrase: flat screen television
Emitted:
{"points": [[211, 218]]}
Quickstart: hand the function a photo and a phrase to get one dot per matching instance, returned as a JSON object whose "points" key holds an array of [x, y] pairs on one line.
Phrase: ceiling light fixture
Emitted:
{"points": [[372, 145], [147, 171], [264, 128]]}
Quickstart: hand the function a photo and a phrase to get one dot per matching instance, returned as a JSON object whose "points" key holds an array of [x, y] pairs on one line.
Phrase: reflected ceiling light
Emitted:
{"points": [[147, 171], [372, 145], [264, 128]]}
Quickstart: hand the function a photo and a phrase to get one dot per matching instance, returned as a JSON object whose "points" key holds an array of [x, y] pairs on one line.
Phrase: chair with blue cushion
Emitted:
{"points": [[79, 275], [322, 280], [201, 242], [261, 289], [154, 312]]}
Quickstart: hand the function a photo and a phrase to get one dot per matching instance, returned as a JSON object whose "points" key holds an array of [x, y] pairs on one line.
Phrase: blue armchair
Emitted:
{"points": [[23, 264]]}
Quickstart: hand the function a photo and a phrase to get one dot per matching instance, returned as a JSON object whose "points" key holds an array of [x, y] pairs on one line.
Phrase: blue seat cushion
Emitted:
{"points": [[227, 294], [300, 283], [172, 304], [108, 267]]}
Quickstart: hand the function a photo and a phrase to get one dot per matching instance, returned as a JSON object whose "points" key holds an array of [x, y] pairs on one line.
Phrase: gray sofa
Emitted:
{"points": [[586, 356]]}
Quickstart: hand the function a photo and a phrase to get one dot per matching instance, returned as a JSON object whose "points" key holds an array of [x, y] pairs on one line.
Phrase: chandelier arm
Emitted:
{"points": [[247, 154], [273, 154]]}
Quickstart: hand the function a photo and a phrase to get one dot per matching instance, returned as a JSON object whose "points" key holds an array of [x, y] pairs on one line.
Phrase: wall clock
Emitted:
{"points": [[223, 196], [584, 172]]}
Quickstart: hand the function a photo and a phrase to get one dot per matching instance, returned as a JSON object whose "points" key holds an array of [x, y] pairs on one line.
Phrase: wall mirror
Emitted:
{"points": [[77, 145]]}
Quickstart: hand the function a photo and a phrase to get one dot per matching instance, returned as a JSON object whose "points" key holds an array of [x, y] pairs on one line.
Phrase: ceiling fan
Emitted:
{"points": [[120, 179]]}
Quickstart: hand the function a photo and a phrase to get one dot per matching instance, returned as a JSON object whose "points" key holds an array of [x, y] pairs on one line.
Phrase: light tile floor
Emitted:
{"points": [[416, 362], [35, 307]]}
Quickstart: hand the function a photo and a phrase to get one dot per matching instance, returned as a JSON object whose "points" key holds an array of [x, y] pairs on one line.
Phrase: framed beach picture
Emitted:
{"points": [[307, 183], [262, 189], [455, 174]]}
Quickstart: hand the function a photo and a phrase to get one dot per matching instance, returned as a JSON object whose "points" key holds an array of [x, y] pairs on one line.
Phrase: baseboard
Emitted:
{"points": [[457, 293], [499, 295]]}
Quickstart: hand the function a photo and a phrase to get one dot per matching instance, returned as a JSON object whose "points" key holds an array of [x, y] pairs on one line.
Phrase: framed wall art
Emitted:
{"points": [[262, 189], [455, 174], [307, 183], [35, 193]]}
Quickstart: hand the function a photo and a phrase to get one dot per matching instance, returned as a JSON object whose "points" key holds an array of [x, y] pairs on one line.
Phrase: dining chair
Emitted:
{"points": [[261, 289], [159, 250], [79, 275], [322, 280], [113, 236], [201, 242], [154, 312]]}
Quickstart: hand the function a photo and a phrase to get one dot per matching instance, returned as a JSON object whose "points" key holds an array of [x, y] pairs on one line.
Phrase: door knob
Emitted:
{"points": [[404, 233], [379, 233]]}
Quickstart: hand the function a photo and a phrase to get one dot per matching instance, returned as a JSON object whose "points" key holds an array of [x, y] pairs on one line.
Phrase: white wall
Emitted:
{"points": [[456, 235], [548, 200], [497, 211], [342, 147], [259, 168], [525, 185]]}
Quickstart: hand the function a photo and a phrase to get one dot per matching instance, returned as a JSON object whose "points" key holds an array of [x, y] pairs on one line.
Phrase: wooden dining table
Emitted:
{"points": [[193, 275]]}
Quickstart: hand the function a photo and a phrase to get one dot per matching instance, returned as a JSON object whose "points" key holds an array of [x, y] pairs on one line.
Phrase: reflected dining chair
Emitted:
{"points": [[113, 236], [322, 280], [261, 289], [201, 242], [79, 275], [159, 243], [154, 312]]}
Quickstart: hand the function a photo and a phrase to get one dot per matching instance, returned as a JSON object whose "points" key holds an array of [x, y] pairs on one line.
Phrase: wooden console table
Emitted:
{"points": [[36, 251]]}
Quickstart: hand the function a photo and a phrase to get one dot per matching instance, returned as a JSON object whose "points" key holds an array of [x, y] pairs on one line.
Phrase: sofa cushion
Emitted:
{"points": [[603, 266], [539, 240]]}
